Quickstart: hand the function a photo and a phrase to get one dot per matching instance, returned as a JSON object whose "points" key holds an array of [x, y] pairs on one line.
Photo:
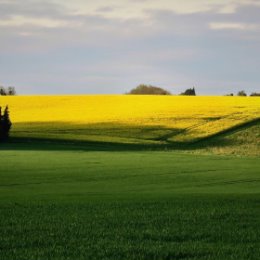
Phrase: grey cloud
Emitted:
{"points": [[105, 9], [31, 8], [244, 14]]}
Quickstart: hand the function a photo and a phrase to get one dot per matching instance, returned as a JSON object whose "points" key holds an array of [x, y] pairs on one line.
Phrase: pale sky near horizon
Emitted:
{"points": [[111, 46]]}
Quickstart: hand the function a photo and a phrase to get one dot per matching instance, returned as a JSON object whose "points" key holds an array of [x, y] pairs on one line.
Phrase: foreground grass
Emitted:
{"points": [[66, 202], [180, 227]]}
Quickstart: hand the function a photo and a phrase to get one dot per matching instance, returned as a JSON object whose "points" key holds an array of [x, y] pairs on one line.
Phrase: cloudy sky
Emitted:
{"points": [[110, 46]]}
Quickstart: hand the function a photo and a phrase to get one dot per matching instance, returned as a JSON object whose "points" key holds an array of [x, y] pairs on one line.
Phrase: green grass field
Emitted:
{"points": [[71, 201]]}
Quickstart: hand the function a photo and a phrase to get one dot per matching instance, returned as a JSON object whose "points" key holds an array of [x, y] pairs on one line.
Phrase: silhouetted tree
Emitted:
{"points": [[189, 92], [5, 124]]}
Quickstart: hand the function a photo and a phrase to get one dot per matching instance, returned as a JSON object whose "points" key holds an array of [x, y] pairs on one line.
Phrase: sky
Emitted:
{"points": [[111, 46]]}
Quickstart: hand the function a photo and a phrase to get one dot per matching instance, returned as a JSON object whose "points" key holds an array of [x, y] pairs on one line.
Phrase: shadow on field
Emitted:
{"points": [[38, 144], [217, 140]]}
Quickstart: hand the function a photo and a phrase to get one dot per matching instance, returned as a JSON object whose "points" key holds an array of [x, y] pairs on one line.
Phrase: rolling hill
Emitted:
{"points": [[219, 124]]}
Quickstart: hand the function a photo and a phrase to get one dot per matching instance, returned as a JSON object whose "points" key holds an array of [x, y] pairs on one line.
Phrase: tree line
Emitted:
{"points": [[5, 123], [9, 91], [143, 89], [242, 93]]}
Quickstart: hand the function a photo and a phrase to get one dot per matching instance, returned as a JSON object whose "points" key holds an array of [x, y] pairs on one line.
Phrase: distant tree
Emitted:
{"points": [[229, 95], [148, 90], [2, 91], [189, 92], [5, 124], [11, 91], [242, 93], [255, 94]]}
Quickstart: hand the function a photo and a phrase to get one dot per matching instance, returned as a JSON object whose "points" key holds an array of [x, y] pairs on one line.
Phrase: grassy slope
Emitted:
{"points": [[243, 140], [62, 202]]}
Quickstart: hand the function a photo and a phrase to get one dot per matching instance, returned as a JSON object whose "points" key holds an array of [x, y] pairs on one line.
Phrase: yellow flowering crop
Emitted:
{"points": [[175, 118]]}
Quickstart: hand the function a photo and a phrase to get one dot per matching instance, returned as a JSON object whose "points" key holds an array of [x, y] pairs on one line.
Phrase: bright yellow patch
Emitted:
{"points": [[198, 116]]}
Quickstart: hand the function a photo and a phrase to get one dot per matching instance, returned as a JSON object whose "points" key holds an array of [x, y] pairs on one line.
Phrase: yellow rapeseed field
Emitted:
{"points": [[175, 118]]}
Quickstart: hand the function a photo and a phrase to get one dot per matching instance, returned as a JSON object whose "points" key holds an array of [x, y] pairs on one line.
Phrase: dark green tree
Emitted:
{"points": [[189, 92], [5, 124]]}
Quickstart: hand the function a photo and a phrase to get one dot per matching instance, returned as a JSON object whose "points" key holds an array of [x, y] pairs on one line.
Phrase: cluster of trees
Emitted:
{"points": [[9, 91], [148, 90], [5, 124], [242, 93], [255, 94], [152, 90]]}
